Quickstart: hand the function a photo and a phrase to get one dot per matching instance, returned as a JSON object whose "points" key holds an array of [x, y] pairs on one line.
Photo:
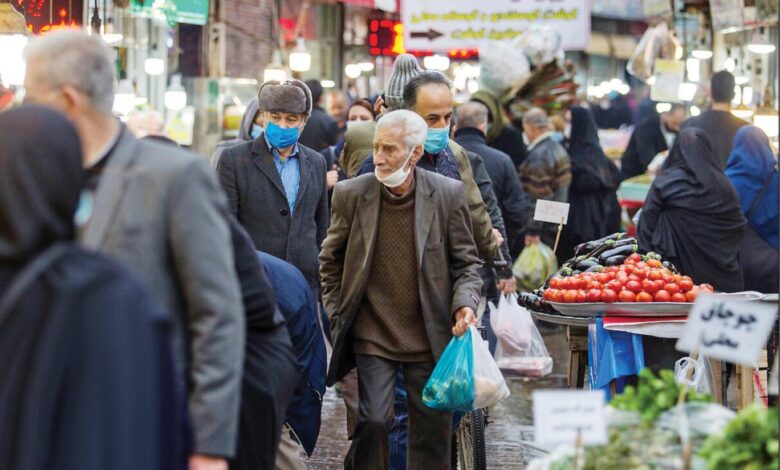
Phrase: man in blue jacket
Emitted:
{"points": [[295, 301]]}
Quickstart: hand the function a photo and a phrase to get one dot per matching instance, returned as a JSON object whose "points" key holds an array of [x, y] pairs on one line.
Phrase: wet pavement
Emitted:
{"points": [[509, 436]]}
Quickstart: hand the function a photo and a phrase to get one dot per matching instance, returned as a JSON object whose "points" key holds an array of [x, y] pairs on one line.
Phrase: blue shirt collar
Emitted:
{"points": [[275, 152]]}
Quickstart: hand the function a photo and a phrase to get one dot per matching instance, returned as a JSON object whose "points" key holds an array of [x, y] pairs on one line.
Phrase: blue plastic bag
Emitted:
{"points": [[451, 385]]}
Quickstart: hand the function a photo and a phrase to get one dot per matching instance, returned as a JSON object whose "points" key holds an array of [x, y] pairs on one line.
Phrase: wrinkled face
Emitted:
{"points": [[434, 104], [285, 120], [337, 105], [674, 119], [359, 113], [390, 150]]}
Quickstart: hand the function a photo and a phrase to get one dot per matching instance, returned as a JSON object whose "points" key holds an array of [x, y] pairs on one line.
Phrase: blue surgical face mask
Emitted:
{"points": [[437, 140], [256, 131], [281, 137]]}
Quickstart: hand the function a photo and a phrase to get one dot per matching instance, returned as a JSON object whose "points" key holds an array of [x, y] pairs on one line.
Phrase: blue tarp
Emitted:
{"points": [[612, 355]]}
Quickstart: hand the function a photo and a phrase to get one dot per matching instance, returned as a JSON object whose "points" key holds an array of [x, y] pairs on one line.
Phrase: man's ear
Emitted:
{"points": [[417, 153], [483, 127], [73, 101]]}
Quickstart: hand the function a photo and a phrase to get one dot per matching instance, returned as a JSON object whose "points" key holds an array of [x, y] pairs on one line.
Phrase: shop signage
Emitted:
{"points": [[552, 212], [669, 76], [175, 11], [726, 14], [569, 417], [728, 330], [44, 16], [465, 24]]}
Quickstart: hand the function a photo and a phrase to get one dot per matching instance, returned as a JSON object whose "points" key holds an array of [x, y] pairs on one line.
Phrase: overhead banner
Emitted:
{"points": [[175, 11], [465, 24]]}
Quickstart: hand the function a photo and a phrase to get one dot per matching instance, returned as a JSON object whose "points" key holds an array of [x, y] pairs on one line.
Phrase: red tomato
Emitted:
{"points": [[655, 274], [672, 288], [570, 296], [690, 296], [627, 268], [555, 283], [686, 284], [582, 296], [634, 277], [641, 273], [659, 284], [644, 297], [549, 294], [668, 278], [679, 297], [634, 286], [594, 295], [641, 264], [602, 278], [566, 283], [613, 269], [608, 296], [635, 257], [615, 285], [596, 285], [654, 263], [662, 296], [558, 296], [649, 286], [627, 296]]}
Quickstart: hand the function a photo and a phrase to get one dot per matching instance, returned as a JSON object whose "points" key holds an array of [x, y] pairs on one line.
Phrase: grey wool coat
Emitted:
{"points": [[447, 259], [160, 211], [257, 198]]}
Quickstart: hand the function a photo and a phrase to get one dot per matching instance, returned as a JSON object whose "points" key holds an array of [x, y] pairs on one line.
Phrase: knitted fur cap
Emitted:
{"points": [[405, 68], [292, 96]]}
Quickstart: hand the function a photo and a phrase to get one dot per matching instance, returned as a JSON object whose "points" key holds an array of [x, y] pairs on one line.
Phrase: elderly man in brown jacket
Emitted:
{"points": [[399, 278]]}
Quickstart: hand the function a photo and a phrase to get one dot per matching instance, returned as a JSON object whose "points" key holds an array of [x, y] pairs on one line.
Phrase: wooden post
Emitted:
{"points": [[744, 386], [558, 236]]}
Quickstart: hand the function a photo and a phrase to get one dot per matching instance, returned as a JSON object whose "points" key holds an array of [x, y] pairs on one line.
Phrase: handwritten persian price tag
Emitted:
{"points": [[551, 211], [561, 415], [727, 330]]}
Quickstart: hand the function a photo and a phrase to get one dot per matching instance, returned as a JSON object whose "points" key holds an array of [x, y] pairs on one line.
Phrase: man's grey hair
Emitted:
{"points": [[471, 114], [536, 117], [85, 62], [412, 88], [412, 126]]}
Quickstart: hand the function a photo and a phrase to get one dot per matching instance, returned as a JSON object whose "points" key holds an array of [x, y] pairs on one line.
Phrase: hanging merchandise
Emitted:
{"points": [[501, 66], [657, 43]]}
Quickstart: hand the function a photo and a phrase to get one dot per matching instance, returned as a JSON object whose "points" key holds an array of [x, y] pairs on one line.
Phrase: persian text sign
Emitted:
{"points": [[551, 211], [727, 330], [464, 24], [566, 416]]}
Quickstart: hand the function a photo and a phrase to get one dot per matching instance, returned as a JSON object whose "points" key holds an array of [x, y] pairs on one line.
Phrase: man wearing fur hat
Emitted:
{"points": [[276, 186]]}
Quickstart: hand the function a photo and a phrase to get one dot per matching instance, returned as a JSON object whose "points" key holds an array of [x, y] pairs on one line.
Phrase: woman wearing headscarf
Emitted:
{"points": [[752, 169], [594, 211], [692, 215], [86, 370]]}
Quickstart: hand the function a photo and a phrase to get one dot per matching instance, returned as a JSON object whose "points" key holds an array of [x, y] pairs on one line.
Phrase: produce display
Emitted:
{"points": [[748, 442], [654, 395]]}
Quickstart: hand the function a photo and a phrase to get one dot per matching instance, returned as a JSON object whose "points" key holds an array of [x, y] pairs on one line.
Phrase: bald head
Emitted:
{"points": [[472, 114]]}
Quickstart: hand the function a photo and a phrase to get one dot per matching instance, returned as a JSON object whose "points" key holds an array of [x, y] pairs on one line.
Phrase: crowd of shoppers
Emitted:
{"points": [[165, 313]]}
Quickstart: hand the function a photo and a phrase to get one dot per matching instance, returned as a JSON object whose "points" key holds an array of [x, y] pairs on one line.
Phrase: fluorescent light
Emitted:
{"points": [[274, 74], [741, 79], [300, 59], [737, 96], [693, 68], [472, 85], [327, 83], [747, 95], [124, 98], [366, 66], [650, 80], [112, 38], [615, 83], [352, 70], [154, 66], [175, 96], [701, 54], [695, 111], [686, 91], [663, 107], [730, 64], [761, 48], [436, 62]]}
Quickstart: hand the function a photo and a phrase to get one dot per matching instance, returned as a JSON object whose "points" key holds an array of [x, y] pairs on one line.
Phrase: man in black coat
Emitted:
{"points": [[718, 123], [275, 186], [321, 130], [653, 135], [472, 119]]}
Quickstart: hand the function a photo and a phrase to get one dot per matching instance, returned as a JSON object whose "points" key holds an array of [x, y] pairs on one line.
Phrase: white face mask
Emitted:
{"points": [[398, 177]]}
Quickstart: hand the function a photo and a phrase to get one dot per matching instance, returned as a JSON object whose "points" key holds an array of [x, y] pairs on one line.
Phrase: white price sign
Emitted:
{"points": [[551, 211], [728, 330], [566, 416]]}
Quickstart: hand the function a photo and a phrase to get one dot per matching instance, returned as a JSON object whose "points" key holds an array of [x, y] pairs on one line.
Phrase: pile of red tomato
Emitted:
{"points": [[635, 280]]}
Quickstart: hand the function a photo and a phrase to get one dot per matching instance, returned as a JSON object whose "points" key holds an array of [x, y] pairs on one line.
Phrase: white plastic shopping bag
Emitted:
{"points": [[534, 361], [511, 327], [489, 384]]}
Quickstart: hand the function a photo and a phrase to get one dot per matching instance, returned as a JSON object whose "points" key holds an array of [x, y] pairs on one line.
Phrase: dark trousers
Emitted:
{"points": [[429, 430]]}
